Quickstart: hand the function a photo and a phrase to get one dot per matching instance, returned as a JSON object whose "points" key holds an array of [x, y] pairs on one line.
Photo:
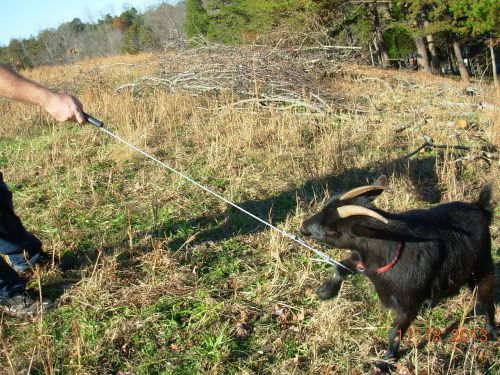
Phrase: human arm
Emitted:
{"points": [[62, 107]]}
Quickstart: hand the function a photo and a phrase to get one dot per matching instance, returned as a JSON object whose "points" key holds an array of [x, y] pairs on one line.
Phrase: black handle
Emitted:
{"points": [[93, 120]]}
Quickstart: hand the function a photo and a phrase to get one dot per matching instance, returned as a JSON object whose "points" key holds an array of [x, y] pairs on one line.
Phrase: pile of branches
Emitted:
{"points": [[254, 75]]}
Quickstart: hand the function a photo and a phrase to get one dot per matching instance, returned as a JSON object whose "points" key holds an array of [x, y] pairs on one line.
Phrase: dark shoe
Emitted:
{"points": [[23, 306]]}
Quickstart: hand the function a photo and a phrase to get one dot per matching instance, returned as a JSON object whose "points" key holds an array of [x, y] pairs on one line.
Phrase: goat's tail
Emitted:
{"points": [[484, 200]]}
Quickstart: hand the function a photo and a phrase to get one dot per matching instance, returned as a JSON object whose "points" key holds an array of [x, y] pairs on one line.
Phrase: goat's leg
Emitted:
{"points": [[485, 295], [331, 286], [399, 328]]}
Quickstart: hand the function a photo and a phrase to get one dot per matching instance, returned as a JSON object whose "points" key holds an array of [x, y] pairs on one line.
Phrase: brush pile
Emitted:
{"points": [[254, 75]]}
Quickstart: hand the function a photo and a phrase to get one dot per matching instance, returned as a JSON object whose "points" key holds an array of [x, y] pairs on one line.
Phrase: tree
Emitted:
{"points": [[138, 37], [75, 39], [330, 11], [128, 17], [166, 21], [16, 55], [76, 25], [236, 21], [196, 18], [435, 62], [442, 20], [377, 31], [460, 62], [108, 19], [422, 56], [398, 35], [413, 15], [478, 18], [493, 61]]}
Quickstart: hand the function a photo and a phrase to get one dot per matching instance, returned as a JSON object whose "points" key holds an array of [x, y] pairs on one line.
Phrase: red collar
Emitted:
{"points": [[387, 267]]}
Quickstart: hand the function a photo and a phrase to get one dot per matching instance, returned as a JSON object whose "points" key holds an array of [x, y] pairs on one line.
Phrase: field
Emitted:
{"points": [[154, 276]]}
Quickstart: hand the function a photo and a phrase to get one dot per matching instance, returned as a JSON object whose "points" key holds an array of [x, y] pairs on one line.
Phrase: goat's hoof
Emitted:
{"points": [[328, 290], [384, 367], [493, 334], [387, 363], [390, 356]]}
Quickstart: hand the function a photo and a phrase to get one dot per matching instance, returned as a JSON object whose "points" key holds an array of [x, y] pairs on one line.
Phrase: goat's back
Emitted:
{"points": [[456, 252]]}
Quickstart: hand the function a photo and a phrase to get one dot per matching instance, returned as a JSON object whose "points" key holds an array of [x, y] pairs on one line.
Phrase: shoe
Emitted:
{"points": [[21, 264], [21, 305]]}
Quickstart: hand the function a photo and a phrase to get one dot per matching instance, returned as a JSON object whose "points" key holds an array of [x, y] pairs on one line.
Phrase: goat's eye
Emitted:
{"points": [[331, 232]]}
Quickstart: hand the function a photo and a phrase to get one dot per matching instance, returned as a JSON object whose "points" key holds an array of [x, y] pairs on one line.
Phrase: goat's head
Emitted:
{"points": [[347, 216]]}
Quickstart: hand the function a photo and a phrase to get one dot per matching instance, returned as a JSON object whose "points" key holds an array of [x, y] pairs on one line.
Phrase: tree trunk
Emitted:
{"points": [[348, 32], [396, 43], [460, 62], [422, 57], [376, 51], [450, 59], [493, 63], [436, 64], [379, 37]]}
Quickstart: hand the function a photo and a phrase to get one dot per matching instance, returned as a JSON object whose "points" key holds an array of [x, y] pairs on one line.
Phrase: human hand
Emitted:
{"points": [[65, 107]]}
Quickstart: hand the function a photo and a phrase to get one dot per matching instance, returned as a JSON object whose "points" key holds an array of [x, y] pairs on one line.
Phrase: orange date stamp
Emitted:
{"points": [[435, 335]]}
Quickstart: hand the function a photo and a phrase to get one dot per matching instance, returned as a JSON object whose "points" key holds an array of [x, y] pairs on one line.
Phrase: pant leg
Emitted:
{"points": [[7, 247], [12, 230], [15, 240], [28, 249], [10, 282]]}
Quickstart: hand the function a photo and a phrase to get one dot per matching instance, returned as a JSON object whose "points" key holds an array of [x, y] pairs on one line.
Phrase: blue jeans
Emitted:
{"points": [[10, 281], [15, 242], [27, 246]]}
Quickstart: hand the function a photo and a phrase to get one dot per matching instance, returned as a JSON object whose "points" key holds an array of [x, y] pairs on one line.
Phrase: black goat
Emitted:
{"points": [[412, 257]]}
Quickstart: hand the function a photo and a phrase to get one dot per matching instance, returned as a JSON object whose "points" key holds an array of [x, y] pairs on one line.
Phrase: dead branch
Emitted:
{"points": [[487, 153], [468, 105], [247, 73]]}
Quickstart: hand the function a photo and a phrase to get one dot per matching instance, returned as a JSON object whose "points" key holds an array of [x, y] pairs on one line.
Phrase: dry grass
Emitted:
{"points": [[154, 276]]}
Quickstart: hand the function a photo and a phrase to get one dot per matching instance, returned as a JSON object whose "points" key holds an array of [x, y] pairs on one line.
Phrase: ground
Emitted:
{"points": [[153, 275]]}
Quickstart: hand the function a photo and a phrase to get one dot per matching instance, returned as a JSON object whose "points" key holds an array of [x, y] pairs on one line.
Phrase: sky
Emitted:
{"points": [[23, 18]]}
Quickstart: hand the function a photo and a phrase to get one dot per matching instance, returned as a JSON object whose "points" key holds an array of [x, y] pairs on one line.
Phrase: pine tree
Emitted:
{"points": [[197, 20], [478, 18], [373, 14], [414, 14], [138, 37], [442, 20]]}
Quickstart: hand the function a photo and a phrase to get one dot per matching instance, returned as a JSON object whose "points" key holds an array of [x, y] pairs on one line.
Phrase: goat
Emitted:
{"points": [[412, 257]]}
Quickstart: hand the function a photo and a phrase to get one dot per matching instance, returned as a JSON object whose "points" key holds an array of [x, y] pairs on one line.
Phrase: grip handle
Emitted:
{"points": [[93, 120]]}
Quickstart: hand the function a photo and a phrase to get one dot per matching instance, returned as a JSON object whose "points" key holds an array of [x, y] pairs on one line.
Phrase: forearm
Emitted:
{"points": [[61, 106], [13, 86]]}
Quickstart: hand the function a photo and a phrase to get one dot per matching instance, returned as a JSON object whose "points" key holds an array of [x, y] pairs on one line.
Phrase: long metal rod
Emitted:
{"points": [[323, 257]]}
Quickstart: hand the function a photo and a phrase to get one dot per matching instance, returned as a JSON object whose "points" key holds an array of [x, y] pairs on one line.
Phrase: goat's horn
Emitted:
{"points": [[352, 210], [360, 190]]}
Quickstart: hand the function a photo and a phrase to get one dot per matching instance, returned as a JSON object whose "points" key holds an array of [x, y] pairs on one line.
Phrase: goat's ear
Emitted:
{"points": [[368, 191], [391, 232], [381, 181], [366, 231]]}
